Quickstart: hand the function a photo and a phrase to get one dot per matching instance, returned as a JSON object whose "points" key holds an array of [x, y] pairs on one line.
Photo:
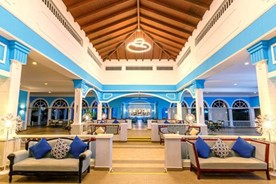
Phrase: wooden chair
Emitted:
{"points": [[163, 129]]}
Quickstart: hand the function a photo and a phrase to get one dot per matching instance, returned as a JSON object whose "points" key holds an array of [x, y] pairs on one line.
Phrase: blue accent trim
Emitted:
{"points": [[18, 52], [15, 27], [138, 88], [6, 65], [78, 83], [199, 84], [254, 31], [258, 52], [261, 26]]}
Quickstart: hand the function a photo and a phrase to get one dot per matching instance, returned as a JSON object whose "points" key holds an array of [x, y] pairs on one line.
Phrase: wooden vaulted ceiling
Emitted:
{"points": [[111, 24]]}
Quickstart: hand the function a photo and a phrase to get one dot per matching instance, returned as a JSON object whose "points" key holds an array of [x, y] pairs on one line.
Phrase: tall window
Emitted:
{"points": [[241, 116], [85, 108], [220, 112], [60, 110], [206, 111], [94, 110], [39, 113]]}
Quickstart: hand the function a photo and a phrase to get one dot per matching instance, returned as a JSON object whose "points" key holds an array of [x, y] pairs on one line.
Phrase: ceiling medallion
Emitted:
{"points": [[139, 45]]}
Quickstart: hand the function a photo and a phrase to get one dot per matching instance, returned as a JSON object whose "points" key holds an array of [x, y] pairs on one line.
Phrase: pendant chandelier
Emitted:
{"points": [[139, 45]]}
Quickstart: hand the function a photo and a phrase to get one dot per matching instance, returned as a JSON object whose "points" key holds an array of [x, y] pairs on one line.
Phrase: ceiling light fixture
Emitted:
{"points": [[34, 63], [246, 63], [139, 45]]}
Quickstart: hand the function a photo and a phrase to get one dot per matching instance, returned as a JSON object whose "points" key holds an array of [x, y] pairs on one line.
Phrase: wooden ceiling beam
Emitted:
{"points": [[198, 4], [166, 19], [160, 5], [113, 35], [115, 5], [166, 26], [165, 45], [114, 32], [78, 4], [158, 29], [164, 39], [158, 45], [112, 40], [113, 26], [118, 46], [109, 20], [162, 35]]}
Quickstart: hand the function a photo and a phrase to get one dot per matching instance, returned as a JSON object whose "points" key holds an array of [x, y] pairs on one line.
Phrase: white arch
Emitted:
{"points": [[94, 92], [204, 102], [248, 105], [128, 94], [32, 103], [59, 99], [221, 100]]}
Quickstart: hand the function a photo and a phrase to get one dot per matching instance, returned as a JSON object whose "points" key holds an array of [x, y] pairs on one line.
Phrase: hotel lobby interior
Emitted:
{"points": [[149, 85]]}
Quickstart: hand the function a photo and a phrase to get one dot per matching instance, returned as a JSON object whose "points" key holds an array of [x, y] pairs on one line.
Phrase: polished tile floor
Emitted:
{"points": [[143, 163]]}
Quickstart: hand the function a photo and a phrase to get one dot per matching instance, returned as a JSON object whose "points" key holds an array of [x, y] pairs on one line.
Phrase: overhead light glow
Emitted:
{"points": [[246, 63], [139, 45], [235, 84], [34, 63]]}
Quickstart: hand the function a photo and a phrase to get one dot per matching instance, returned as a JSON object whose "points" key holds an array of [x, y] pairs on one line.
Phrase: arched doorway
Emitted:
{"points": [[39, 113], [60, 110], [241, 116], [220, 112], [206, 110]]}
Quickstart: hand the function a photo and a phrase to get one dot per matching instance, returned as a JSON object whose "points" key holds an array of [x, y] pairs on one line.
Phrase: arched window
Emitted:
{"points": [[241, 116], [219, 104], [94, 110], [39, 113], [220, 112], [85, 108], [184, 104], [206, 111], [60, 110]]}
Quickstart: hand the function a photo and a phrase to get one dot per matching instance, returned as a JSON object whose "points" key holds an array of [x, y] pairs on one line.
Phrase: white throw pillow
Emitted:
{"points": [[60, 149], [221, 149]]}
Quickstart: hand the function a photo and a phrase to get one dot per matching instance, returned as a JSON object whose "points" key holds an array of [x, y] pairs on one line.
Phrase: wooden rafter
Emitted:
{"points": [[163, 6], [198, 4], [115, 5], [78, 4]]}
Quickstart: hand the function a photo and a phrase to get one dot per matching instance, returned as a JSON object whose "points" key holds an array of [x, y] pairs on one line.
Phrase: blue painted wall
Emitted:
{"points": [[22, 104], [4, 66], [117, 104]]}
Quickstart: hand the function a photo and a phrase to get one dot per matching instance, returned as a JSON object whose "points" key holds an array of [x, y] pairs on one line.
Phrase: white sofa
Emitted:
{"points": [[23, 163], [232, 163]]}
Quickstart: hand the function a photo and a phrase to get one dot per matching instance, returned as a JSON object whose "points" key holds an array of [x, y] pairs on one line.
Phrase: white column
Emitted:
{"points": [[266, 89], [179, 110], [199, 106], [231, 124], [99, 111], [252, 117], [76, 127], [49, 115], [210, 115], [109, 113], [9, 89]]}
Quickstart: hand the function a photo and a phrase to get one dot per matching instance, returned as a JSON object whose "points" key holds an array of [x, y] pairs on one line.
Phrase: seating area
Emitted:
{"points": [[228, 155], [56, 156]]}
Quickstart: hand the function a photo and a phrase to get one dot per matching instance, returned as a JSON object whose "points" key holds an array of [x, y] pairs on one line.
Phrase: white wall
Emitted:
{"points": [[234, 20], [238, 16]]}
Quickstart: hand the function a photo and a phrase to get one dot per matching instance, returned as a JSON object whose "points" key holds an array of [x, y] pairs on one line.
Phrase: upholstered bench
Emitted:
{"points": [[47, 157], [228, 155]]}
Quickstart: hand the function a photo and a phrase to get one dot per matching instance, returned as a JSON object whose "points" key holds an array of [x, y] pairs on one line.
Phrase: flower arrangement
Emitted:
{"points": [[266, 126], [9, 125]]}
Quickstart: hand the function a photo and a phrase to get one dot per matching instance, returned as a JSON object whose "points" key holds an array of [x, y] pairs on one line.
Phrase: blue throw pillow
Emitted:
{"points": [[202, 148], [40, 149], [77, 147], [243, 148], [166, 122], [115, 121]]}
